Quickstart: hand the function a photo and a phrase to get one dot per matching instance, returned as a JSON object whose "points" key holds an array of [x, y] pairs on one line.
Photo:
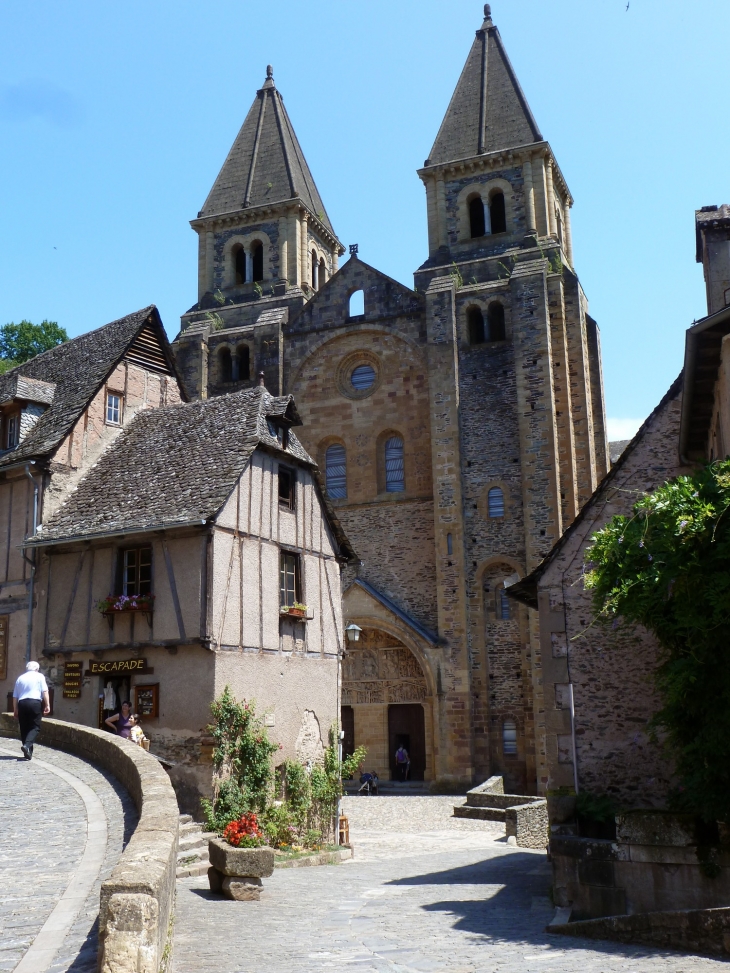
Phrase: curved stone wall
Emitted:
{"points": [[136, 901]]}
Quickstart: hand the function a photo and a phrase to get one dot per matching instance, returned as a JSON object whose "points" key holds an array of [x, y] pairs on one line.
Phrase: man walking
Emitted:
{"points": [[31, 703]]}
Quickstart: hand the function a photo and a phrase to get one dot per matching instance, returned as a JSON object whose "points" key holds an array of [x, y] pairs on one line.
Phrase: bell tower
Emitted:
{"points": [[265, 247], [518, 397]]}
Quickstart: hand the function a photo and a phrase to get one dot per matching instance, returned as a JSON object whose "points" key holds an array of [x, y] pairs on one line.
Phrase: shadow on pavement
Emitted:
{"points": [[518, 909]]}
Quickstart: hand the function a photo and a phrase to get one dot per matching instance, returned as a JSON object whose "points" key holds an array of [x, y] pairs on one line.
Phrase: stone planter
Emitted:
{"points": [[237, 872]]}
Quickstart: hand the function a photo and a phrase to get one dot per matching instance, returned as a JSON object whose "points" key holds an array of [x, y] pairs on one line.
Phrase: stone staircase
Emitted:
{"points": [[192, 854], [488, 802]]}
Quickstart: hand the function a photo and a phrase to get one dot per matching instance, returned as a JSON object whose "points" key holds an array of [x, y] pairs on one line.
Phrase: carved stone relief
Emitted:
{"points": [[380, 669]]}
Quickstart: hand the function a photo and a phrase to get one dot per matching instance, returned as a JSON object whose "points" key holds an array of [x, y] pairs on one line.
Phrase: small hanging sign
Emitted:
{"points": [[72, 680]]}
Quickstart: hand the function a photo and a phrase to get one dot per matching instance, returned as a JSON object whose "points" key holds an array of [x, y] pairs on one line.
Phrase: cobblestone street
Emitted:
{"points": [[63, 824], [425, 892]]}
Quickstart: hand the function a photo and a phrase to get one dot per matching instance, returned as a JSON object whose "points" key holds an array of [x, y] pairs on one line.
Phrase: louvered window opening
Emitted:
{"points": [[509, 738], [146, 351], [363, 377], [394, 471], [495, 502], [336, 472]]}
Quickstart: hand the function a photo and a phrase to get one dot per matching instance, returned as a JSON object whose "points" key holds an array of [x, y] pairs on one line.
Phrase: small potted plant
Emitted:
{"points": [[297, 610]]}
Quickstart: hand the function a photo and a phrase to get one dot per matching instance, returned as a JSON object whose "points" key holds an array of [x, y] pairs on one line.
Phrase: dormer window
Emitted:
{"points": [[113, 409], [12, 431], [278, 432]]}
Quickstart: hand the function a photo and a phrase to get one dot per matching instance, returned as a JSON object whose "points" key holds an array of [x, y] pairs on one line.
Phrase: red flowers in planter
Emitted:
{"points": [[244, 833]]}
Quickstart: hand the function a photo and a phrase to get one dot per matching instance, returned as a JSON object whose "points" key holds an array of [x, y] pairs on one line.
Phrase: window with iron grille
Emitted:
{"points": [[495, 502], [137, 571], [504, 609], [290, 583], [395, 481], [113, 408], [509, 738], [336, 471]]}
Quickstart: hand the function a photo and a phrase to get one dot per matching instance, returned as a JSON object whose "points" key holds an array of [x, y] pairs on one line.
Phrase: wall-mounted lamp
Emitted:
{"points": [[353, 632]]}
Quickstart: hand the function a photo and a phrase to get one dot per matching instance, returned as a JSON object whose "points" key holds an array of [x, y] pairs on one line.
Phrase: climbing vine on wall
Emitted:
{"points": [[667, 567]]}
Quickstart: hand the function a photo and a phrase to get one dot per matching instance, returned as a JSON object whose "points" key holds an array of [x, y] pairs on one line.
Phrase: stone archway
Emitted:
{"points": [[380, 674]]}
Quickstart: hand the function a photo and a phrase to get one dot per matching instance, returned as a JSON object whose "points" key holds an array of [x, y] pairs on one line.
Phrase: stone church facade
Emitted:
{"points": [[459, 425]]}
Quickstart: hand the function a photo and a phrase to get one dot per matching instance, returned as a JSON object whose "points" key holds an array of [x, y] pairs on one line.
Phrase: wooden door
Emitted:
{"points": [[406, 727]]}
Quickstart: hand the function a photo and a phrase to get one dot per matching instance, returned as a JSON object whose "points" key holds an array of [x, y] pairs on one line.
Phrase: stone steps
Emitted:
{"points": [[192, 855], [480, 813]]}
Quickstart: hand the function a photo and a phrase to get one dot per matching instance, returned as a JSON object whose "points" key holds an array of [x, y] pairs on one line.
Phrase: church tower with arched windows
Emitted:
{"points": [[458, 426]]}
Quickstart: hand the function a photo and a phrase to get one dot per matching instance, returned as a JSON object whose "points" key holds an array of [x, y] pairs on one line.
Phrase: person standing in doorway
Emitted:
{"points": [[121, 723], [402, 762], [31, 703]]}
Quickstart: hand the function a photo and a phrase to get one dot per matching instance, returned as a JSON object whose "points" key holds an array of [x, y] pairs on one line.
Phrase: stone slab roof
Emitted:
{"points": [[177, 465], [266, 163], [425, 633], [28, 390], [488, 110], [77, 369]]}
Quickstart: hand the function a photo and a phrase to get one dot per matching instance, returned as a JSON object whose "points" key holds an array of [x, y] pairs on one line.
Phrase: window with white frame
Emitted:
{"points": [[113, 408]]}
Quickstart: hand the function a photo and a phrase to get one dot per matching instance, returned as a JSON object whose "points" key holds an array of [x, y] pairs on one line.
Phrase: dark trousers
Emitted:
{"points": [[30, 714], [402, 771]]}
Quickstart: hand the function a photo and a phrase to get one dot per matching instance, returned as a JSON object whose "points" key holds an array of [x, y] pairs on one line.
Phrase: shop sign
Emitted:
{"points": [[118, 667], [72, 680]]}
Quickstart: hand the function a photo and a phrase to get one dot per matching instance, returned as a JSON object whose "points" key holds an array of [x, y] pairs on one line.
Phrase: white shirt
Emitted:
{"points": [[31, 685]]}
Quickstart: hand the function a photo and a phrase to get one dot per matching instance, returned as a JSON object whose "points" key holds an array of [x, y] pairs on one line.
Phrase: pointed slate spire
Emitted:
{"points": [[266, 163], [488, 110]]}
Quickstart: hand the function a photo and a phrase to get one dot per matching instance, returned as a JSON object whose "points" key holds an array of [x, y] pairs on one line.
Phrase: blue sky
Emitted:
{"points": [[116, 117]]}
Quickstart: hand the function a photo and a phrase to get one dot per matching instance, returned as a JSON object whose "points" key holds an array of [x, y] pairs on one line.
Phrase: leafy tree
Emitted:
{"points": [[20, 342], [667, 567]]}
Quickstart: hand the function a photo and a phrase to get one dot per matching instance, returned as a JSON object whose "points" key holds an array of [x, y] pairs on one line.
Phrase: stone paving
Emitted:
{"points": [[425, 892], [43, 836]]}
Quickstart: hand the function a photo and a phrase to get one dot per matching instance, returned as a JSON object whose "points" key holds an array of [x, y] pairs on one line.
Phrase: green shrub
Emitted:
{"points": [[667, 567]]}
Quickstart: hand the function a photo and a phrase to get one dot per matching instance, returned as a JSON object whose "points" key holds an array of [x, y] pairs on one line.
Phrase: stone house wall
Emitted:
{"points": [[605, 665]]}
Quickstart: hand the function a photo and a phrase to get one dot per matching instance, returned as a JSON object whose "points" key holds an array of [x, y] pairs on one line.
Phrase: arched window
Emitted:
{"points": [[357, 304], [509, 737], [504, 609], [257, 260], [495, 502], [322, 272], [244, 363], [395, 481], [495, 322], [475, 324], [315, 268], [497, 214], [225, 364], [239, 261], [335, 462], [476, 217]]}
